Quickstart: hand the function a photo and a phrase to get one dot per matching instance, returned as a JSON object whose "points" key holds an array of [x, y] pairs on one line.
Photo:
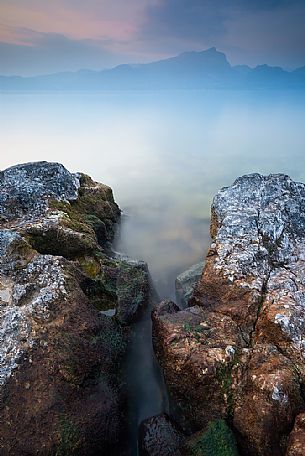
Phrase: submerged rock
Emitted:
{"points": [[237, 352], [185, 283], [60, 390]]}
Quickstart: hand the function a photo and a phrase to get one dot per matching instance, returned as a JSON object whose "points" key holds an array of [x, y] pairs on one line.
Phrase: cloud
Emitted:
{"points": [[35, 52], [243, 28], [77, 19], [40, 37]]}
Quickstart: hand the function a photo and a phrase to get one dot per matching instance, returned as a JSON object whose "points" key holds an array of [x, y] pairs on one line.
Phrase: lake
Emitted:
{"points": [[165, 154]]}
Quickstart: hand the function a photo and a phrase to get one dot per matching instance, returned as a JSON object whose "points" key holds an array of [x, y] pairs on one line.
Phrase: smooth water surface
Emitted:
{"points": [[165, 154]]}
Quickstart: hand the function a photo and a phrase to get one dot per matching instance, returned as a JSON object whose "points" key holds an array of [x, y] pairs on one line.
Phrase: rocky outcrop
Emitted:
{"points": [[60, 391], [237, 353]]}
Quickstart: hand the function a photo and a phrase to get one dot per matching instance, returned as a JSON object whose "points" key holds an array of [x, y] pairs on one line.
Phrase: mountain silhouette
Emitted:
{"points": [[189, 70]]}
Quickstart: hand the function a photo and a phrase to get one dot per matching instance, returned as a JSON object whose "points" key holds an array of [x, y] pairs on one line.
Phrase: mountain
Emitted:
{"points": [[190, 70]]}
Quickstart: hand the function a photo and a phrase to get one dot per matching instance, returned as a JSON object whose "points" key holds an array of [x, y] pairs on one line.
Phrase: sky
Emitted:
{"points": [[43, 36]]}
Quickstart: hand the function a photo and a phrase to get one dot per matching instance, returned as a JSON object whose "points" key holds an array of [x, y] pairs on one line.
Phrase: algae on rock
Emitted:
{"points": [[58, 352], [248, 365]]}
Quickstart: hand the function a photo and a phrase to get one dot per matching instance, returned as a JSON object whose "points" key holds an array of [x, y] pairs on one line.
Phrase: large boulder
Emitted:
{"points": [[237, 352], [60, 392]]}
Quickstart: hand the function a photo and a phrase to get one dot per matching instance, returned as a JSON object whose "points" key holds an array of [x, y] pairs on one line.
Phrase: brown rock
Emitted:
{"points": [[296, 442], [268, 399], [249, 366], [197, 350], [59, 356]]}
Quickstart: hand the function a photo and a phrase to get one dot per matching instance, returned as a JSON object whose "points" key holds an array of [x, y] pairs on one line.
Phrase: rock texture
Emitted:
{"points": [[296, 443], [238, 351], [215, 440], [60, 391], [159, 436]]}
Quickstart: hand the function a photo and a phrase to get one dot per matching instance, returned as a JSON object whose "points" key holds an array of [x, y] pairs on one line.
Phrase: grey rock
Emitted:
{"points": [[159, 436], [185, 283], [25, 189], [240, 347], [56, 349], [260, 245]]}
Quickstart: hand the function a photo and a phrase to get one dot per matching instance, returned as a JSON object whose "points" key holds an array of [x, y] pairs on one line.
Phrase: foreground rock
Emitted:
{"points": [[60, 392], [159, 436], [216, 439], [238, 352], [296, 442]]}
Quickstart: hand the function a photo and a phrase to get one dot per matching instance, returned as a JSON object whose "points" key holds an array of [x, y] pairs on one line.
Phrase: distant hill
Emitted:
{"points": [[190, 70]]}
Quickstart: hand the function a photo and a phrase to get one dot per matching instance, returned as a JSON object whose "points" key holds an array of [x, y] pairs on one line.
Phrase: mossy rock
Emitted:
{"points": [[216, 440], [111, 341], [94, 211], [132, 292], [60, 241], [69, 437], [100, 296], [90, 265]]}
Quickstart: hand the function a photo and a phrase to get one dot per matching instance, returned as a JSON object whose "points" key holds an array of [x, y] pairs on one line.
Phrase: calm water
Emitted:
{"points": [[165, 155]]}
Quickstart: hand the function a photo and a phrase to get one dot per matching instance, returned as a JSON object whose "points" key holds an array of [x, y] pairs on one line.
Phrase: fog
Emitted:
{"points": [[165, 154]]}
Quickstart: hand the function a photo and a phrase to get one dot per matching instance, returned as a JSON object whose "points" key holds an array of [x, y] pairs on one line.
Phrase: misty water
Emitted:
{"points": [[165, 154]]}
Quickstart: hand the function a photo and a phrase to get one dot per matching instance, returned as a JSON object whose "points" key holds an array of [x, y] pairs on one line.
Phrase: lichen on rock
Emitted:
{"points": [[250, 299], [57, 351]]}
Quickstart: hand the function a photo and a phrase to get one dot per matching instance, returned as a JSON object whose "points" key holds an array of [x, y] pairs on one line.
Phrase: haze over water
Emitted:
{"points": [[165, 154]]}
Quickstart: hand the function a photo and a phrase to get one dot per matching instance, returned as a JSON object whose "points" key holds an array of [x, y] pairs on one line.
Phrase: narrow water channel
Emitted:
{"points": [[147, 395], [146, 390]]}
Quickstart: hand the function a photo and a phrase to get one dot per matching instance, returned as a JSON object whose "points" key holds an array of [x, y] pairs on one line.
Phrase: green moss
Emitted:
{"points": [[132, 292], [75, 219], [90, 265], [132, 284], [57, 241], [195, 331], [224, 376], [85, 180], [69, 437], [101, 296], [111, 337], [217, 440], [94, 204], [93, 212], [187, 327]]}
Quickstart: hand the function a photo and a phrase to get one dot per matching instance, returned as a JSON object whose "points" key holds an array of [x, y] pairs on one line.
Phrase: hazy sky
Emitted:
{"points": [[42, 36]]}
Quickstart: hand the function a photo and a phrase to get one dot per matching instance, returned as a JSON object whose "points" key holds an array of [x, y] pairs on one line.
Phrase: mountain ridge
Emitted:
{"points": [[209, 68]]}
